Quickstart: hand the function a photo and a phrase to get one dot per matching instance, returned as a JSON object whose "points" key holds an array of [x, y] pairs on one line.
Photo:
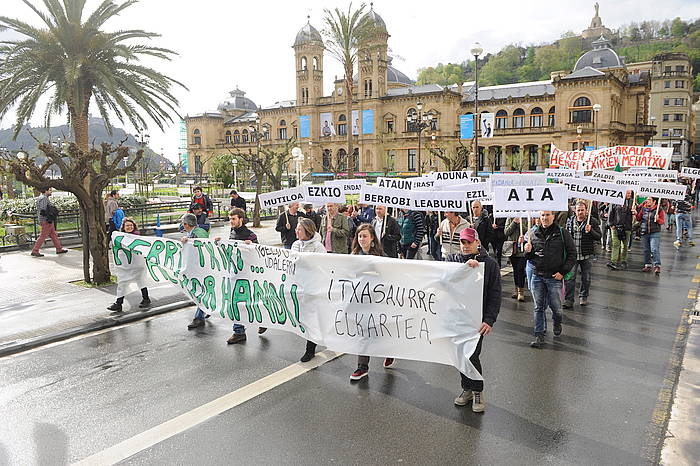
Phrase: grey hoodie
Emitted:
{"points": [[313, 245]]}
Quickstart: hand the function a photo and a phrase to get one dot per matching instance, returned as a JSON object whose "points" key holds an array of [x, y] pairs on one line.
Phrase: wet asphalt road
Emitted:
{"points": [[588, 398]]}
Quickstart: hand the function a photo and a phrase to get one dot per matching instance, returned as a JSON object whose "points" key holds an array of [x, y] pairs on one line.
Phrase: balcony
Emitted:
{"points": [[672, 74], [526, 130]]}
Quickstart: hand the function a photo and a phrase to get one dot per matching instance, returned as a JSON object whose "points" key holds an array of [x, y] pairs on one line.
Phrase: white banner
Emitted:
{"points": [[513, 179], [422, 184], [689, 172], [487, 125], [610, 157], [595, 190], [663, 190], [282, 197], [374, 195], [558, 173], [315, 194], [607, 175], [376, 306], [443, 201], [515, 213], [523, 198], [449, 178], [348, 186], [665, 174], [394, 183], [628, 181]]}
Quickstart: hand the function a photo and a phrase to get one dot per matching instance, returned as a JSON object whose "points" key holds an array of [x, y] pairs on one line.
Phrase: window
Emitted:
{"points": [[664, 133], [391, 160], [550, 117], [342, 125], [497, 155], [677, 133], [680, 68], [481, 158], [676, 149], [411, 120], [519, 118], [326, 160], [667, 69], [368, 88], [304, 65], [667, 101], [228, 137], [665, 117], [356, 159], [342, 160], [266, 132], [389, 126], [678, 117], [667, 84], [434, 123], [680, 102], [532, 166], [315, 63], [680, 84], [411, 160], [501, 119], [197, 137], [581, 111], [198, 164], [245, 136], [515, 159], [282, 133], [304, 95], [236, 137], [536, 117]]}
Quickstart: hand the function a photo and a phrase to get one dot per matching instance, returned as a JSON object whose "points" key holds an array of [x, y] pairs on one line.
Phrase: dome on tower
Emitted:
{"points": [[601, 57], [375, 18], [307, 34], [237, 101]]}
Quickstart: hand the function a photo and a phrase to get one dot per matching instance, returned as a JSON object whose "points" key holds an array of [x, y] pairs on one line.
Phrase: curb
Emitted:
{"points": [[31, 343]]}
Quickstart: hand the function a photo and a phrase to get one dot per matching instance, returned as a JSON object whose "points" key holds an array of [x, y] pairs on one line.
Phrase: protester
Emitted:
{"points": [[189, 224], [198, 197], [603, 210], [349, 213], [498, 237], [366, 243], [585, 234], [448, 233], [552, 252], [236, 200], [287, 223], [482, 223], [111, 206], [311, 215], [620, 222], [651, 219], [308, 240], [390, 233], [684, 220], [118, 218], [239, 232], [202, 217], [471, 254], [47, 216], [334, 227], [513, 235], [365, 214], [670, 209], [432, 226], [412, 232], [128, 225]]}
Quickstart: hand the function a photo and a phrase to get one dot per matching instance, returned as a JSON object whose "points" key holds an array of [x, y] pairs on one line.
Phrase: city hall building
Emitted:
{"points": [[601, 102]]}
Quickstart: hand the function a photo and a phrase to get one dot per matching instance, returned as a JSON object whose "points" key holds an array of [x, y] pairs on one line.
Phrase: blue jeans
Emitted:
{"points": [[652, 256], [529, 272], [684, 221], [237, 328], [547, 292], [585, 266]]}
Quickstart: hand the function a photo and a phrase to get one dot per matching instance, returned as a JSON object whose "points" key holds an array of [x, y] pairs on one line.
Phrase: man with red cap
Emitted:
{"points": [[471, 254]]}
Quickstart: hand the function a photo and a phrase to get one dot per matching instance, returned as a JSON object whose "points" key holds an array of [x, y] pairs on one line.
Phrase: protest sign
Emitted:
{"points": [[454, 177], [662, 190], [282, 197], [512, 179], [595, 190], [514, 213], [629, 181], [394, 183], [607, 175], [610, 157], [422, 184], [523, 198], [664, 174], [558, 173], [377, 306], [348, 186], [375, 195], [689, 172], [317, 195], [442, 201]]}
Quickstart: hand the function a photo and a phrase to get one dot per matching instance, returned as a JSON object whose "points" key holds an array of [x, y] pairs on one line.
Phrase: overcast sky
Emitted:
{"points": [[223, 44]]}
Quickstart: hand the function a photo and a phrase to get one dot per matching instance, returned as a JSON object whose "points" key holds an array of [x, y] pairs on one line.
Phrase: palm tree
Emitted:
{"points": [[75, 63], [345, 33]]}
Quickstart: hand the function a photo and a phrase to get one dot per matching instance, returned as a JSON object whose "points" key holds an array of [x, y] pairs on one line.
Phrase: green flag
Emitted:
{"points": [[618, 168]]}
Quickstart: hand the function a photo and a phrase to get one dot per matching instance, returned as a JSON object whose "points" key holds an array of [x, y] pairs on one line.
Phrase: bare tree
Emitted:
{"points": [[453, 159]]}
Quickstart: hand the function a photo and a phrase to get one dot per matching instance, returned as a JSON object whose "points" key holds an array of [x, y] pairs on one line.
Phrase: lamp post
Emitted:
{"points": [[22, 157], [142, 139], [579, 130], [596, 111], [476, 50], [653, 123], [235, 175], [298, 157], [419, 121]]}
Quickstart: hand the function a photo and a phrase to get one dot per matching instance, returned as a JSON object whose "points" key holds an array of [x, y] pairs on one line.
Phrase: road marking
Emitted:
{"points": [[183, 422], [697, 266], [696, 279], [692, 294]]}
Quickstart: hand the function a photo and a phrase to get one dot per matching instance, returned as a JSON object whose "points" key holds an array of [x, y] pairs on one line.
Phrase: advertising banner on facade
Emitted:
{"points": [[305, 126], [327, 128], [487, 124], [355, 123], [367, 121], [466, 126]]}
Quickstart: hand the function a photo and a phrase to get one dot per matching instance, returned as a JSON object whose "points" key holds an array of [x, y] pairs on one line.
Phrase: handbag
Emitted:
{"points": [[510, 248]]}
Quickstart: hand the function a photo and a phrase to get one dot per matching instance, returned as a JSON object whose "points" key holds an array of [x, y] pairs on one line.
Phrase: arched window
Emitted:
{"points": [[342, 125], [433, 121], [266, 131], [342, 160], [536, 117], [245, 135], [501, 119], [236, 137], [196, 131], [197, 137], [315, 63], [550, 116], [581, 111], [518, 118], [341, 117], [304, 64], [532, 166], [282, 132], [228, 137], [411, 119], [327, 160]]}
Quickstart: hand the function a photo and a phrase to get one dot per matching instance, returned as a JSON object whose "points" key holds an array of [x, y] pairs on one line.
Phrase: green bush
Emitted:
{"points": [[62, 203]]}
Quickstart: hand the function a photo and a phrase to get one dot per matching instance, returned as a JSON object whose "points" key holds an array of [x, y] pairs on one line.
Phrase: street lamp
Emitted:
{"points": [[298, 157], [235, 175], [579, 130], [142, 139], [653, 123], [22, 157], [596, 110], [419, 121], [476, 50]]}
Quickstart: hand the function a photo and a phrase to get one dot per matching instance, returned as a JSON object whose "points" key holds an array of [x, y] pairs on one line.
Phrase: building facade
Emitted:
{"points": [[598, 103]]}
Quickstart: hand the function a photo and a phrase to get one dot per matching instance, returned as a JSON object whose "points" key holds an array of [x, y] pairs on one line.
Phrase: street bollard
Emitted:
{"points": [[159, 232]]}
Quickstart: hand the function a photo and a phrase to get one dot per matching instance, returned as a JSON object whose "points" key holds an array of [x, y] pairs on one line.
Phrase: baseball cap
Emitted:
{"points": [[468, 234]]}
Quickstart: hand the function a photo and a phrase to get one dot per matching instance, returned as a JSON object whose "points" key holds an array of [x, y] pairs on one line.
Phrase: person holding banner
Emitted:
{"points": [[387, 228], [287, 224], [335, 228], [620, 223], [651, 218], [366, 243], [684, 220], [585, 231], [515, 237], [482, 223], [189, 224], [412, 232], [129, 226], [552, 252], [449, 231], [472, 254]]}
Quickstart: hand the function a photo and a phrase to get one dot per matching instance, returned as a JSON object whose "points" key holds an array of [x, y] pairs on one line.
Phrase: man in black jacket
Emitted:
{"points": [[585, 235], [287, 224], [471, 255], [390, 234], [482, 224], [552, 253], [236, 200], [312, 215], [620, 223]]}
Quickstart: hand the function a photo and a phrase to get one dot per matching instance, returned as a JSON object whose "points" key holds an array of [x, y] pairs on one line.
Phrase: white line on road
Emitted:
{"points": [[181, 423]]}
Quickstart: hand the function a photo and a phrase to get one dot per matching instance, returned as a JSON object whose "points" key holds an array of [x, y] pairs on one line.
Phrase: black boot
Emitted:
{"points": [[117, 306], [145, 300], [310, 351]]}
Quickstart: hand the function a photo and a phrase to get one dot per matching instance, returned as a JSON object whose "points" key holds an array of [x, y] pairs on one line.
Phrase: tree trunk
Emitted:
{"points": [[258, 190], [350, 158], [97, 246], [85, 237]]}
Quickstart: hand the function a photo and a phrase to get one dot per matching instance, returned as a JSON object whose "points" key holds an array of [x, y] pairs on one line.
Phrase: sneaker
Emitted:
{"points": [[583, 302], [115, 307], [538, 342], [195, 323], [62, 251], [478, 403], [647, 268], [465, 397], [611, 265], [359, 373], [37, 254], [623, 265], [236, 338], [262, 330], [567, 305], [691, 243], [557, 329], [521, 295], [657, 270], [389, 362], [677, 244], [514, 295], [146, 302], [308, 356]]}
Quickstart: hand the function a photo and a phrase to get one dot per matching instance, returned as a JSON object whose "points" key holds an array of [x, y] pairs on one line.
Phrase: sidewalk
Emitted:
{"points": [[41, 304]]}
